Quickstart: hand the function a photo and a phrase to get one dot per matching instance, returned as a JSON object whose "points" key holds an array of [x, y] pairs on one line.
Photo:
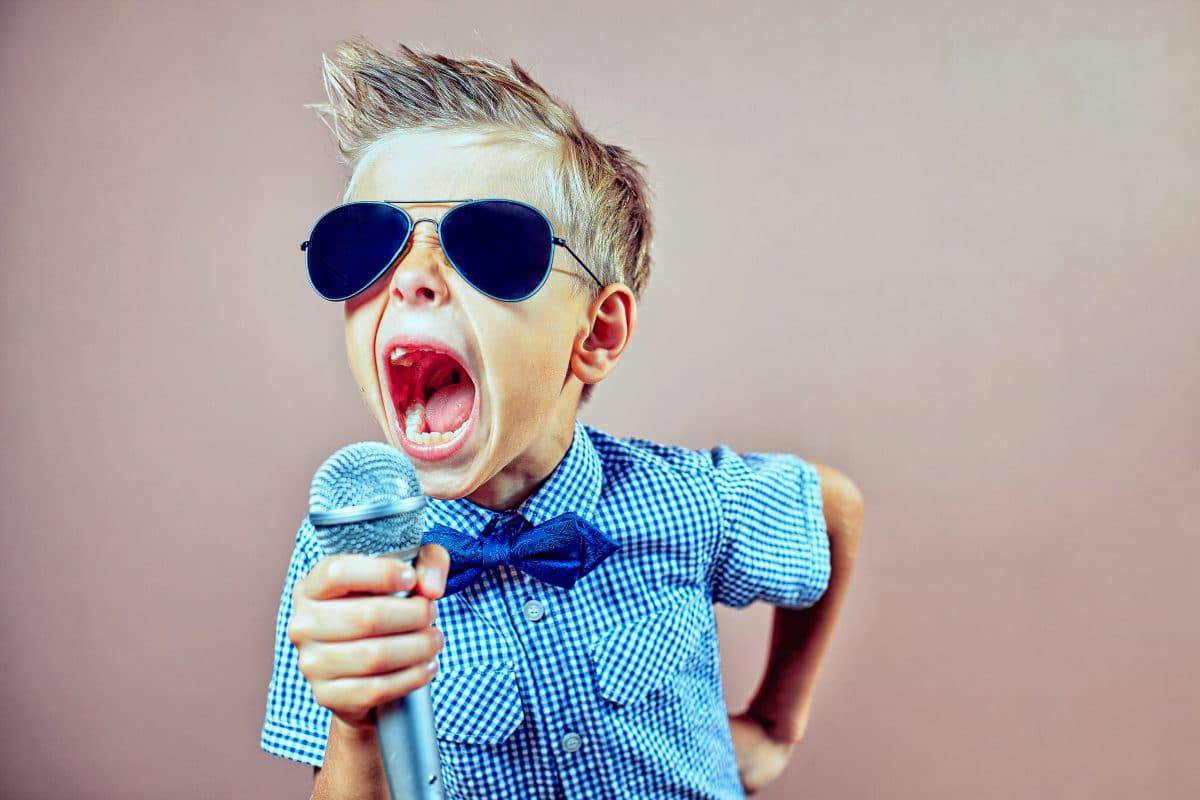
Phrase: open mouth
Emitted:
{"points": [[434, 399]]}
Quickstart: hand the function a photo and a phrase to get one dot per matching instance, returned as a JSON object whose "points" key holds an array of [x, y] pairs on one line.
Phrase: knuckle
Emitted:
{"points": [[377, 691], [436, 553], [432, 643], [354, 704], [409, 680], [376, 657], [424, 674], [335, 570], [367, 619], [424, 610], [305, 661]]}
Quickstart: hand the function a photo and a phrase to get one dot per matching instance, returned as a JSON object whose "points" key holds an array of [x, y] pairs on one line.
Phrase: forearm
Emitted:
{"points": [[800, 637], [353, 768]]}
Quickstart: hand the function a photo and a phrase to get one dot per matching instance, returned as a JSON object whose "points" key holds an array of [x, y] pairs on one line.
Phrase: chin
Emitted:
{"points": [[461, 474], [448, 473], [443, 487]]}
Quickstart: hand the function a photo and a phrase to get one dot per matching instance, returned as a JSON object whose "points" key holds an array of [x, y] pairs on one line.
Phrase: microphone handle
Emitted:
{"points": [[408, 739]]}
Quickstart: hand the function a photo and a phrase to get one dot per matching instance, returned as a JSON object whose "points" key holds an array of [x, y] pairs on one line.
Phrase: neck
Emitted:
{"points": [[526, 473]]}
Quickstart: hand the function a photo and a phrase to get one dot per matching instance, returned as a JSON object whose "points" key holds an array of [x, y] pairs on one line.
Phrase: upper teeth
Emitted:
{"points": [[405, 357]]}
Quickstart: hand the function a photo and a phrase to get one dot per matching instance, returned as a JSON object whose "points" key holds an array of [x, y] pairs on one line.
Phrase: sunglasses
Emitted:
{"points": [[503, 248]]}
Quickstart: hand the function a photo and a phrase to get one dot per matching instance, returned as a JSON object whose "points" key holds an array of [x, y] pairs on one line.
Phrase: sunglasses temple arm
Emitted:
{"points": [[562, 243]]}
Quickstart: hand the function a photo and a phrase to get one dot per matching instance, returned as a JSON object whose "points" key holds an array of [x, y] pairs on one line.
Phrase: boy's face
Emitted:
{"points": [[517, 356]]}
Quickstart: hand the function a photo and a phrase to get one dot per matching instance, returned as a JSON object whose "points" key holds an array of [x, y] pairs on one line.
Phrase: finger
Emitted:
{"points": [[349, 618], [433, 564], [376, 656], [357, 696], [343, 574]]}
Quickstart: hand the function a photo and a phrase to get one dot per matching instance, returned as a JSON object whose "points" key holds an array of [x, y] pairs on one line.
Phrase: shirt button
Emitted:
{"points": [[572, 742], [534, 610]]}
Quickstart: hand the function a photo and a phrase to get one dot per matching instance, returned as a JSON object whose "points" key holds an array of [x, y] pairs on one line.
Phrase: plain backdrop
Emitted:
{"points": [[948, 248]]}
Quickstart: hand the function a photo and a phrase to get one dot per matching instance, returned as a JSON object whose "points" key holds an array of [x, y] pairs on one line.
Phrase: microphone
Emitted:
{"points": [[366, 499]]}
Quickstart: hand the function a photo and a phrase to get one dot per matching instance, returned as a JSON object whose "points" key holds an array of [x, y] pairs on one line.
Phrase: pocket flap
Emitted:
{"points": [[476, 704], [637, 657]]}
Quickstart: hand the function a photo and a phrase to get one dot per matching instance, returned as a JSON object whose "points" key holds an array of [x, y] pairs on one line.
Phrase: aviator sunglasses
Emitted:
{"points": [[503, 248]]}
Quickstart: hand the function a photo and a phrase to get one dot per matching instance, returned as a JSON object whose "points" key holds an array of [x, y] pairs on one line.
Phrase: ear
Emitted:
{"points": [[613, 317]]}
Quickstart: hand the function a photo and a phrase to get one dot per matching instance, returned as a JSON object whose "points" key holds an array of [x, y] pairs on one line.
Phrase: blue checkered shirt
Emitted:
{"points": [[612, 688]]}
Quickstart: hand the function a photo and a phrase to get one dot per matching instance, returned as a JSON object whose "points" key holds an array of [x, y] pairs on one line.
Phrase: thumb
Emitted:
{"points": [[432, 565]]}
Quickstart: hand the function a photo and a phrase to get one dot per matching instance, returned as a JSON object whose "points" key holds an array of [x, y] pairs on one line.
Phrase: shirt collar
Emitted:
{"points": [[574, 485]]}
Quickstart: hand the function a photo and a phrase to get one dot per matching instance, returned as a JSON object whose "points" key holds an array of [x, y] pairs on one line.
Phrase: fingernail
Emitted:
{"points": [[431, 580], [432, 665], [406, 576]]}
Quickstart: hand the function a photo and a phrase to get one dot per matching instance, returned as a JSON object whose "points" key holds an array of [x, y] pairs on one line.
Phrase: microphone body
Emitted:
{"points": [[366, 499]]}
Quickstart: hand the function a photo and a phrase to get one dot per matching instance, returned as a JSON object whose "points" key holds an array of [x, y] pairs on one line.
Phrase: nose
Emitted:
{"points": [[417, 280]]}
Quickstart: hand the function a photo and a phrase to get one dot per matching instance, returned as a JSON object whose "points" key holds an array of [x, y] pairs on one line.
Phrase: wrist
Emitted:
{"points": [[782, 728], [354, 734]]}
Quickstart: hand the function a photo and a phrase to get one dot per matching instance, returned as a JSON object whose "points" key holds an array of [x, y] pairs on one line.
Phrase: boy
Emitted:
{"points": [[475, 332]]}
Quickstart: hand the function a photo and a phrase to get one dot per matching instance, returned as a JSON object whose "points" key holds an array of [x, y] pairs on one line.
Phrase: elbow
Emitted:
{"points": [[843, 508]]}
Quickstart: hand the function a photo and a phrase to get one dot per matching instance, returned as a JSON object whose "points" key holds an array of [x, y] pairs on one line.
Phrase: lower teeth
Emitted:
{"points": [[414, 421]]}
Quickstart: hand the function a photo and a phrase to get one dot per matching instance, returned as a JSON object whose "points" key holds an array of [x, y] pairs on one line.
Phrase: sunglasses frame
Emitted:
{"points": [[555, 241]]}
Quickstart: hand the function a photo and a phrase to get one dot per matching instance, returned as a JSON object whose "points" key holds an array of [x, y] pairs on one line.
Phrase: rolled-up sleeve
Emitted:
{"points": [[295, 725], [773, 547]]}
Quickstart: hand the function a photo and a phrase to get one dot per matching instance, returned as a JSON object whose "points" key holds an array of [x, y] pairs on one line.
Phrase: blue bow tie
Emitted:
{"points": [[560, 551]]}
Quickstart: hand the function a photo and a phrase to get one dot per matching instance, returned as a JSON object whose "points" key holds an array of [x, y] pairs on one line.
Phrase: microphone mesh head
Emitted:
{"points": [[360, 474]]}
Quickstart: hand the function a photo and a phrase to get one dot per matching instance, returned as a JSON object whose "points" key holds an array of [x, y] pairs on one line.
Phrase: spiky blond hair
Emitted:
{"points": [[595, 194]]}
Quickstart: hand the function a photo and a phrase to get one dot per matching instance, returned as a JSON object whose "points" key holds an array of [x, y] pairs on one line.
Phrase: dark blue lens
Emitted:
{"points": [[352, 245], [501, 247]]}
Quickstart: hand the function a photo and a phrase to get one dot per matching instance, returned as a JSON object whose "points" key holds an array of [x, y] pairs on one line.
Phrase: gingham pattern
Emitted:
{"points": [[614, 690]]}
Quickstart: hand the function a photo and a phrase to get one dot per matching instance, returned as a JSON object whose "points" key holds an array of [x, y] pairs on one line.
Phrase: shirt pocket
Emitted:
{"points": [[476, 703], [637, 658]]}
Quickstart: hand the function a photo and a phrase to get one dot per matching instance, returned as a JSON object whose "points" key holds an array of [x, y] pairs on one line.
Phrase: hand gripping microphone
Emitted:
{"points": [[366, 499]]}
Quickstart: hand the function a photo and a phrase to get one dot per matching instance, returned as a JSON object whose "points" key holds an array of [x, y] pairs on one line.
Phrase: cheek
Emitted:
{"points": [[361, 323], [539, 356]]}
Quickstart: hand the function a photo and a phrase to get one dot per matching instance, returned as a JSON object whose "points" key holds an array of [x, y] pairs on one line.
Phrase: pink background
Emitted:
{"points": [[950, 249]]}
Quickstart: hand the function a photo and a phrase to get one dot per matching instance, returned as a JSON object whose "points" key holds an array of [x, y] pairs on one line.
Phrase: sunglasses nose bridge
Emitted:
{"points": [[417, 278], [436, 229], [433, 235]]}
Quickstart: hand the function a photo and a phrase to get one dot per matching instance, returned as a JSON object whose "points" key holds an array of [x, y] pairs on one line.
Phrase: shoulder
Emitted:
{"points": [[624, 453], [727, 472], [652, 480], [662, 501]]}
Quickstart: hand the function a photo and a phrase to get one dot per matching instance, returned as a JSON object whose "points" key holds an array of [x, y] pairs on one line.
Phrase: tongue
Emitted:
{"points": [[449, 406]]}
